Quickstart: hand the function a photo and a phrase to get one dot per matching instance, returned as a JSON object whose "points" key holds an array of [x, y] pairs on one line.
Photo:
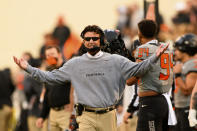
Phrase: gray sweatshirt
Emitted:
{"points": [[98, 82]]}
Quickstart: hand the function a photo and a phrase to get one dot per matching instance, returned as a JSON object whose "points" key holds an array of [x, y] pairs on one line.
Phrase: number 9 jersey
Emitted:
{"points": [[160, 77]]}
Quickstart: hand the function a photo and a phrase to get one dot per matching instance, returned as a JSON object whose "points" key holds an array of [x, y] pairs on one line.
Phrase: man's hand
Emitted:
{"points": [[132, 81], [177, 68], [161, 49], [68, 107], [126, 117], [192, 117], [21, 63], [150, 15], [39, 122]]}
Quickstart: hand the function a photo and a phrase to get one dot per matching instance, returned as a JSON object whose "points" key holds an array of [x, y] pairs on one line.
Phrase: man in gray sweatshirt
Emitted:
{"points": [[98, 78]]}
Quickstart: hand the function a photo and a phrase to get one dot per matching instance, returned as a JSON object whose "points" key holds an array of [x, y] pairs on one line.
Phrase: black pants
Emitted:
{"points": [[182, 120], [153, 114]]}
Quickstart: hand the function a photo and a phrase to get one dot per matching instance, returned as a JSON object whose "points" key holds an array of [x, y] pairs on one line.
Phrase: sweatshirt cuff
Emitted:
{"points": [[29, 69]]}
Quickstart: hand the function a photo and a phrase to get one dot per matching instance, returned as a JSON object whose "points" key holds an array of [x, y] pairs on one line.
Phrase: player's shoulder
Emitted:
{"points": [[151, 45], [190, 66], [146, 50], [142, 46], [192, 63]]}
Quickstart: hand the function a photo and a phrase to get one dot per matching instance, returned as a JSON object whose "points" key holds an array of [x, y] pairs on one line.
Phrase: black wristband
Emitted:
{"points": [[177, 75]]}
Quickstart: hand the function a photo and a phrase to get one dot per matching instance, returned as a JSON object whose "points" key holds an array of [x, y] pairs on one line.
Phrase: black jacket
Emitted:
{"points": [[6, 87], [32, 90], [55, 96]]}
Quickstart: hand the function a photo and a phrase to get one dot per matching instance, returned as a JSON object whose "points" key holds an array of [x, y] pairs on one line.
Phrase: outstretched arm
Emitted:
{"points": [[151, 12], [21, 63], [130, 69], [161, 49], [55, 77]]}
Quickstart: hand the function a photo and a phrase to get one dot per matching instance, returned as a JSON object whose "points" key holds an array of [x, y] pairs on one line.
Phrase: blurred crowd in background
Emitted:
{"points": [[20, 103]]}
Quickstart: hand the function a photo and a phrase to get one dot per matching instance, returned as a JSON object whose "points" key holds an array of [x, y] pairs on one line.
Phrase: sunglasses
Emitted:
{"points": [[93, 38]]}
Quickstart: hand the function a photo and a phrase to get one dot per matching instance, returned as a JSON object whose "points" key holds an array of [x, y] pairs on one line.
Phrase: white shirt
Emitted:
{"points": [[97, 55]]}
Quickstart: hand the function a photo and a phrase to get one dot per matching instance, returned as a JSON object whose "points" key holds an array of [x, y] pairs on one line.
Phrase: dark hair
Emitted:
{"points": [[96, 29], [28, 54], [148, 28], [135, 44], [52, 46], [35, 62]]}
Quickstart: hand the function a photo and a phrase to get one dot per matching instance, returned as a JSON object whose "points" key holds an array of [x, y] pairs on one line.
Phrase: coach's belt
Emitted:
{"points": [[58, 108], [99, 110]]}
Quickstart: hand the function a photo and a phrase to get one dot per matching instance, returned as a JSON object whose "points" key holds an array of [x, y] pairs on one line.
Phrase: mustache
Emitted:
{"points": [[91, 44]]}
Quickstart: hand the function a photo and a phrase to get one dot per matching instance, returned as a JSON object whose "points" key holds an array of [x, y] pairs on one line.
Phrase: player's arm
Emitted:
{"points": [[190, 81], [182, 85], [177, 72], [193, 107], [187, 86], [193, 101], [132, 81], [132, 106]]}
